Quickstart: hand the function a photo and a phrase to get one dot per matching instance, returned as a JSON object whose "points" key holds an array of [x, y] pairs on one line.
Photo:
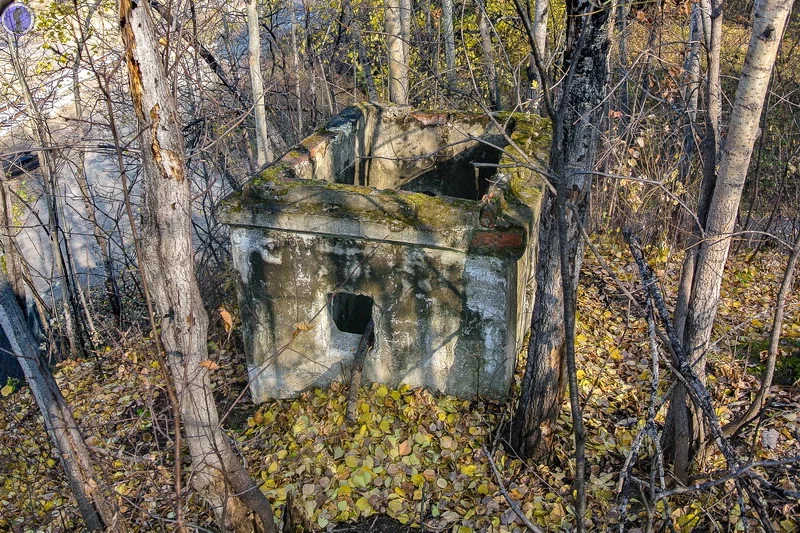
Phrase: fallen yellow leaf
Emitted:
{"points": [[227, 319], [210, 365]]}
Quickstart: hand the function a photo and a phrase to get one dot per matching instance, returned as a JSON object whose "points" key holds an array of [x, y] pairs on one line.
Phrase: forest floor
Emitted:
{"points": [[415, 457]]}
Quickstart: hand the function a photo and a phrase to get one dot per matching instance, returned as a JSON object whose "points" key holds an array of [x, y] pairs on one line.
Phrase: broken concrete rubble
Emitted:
{"points": [[384, 214]]}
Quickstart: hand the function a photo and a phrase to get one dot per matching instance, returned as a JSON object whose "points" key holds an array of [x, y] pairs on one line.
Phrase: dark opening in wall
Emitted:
{"points": [[458, 176], [351, 312]]}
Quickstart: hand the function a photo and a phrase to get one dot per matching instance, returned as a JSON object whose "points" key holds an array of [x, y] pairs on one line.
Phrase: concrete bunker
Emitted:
{"points": [[422, 221]]}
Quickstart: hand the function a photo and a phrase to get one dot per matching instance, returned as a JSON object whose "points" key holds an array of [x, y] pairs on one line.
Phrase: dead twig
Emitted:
{"points": [[511, 503], [726, 477]]}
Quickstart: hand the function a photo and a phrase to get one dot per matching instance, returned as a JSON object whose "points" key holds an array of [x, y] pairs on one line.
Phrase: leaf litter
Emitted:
{"points": [[411, 455]]}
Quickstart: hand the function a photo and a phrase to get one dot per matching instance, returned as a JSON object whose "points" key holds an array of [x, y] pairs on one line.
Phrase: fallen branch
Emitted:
{"points": [[725, 478], [699, 394], [511, 503], [650, 429], [697, 390]]}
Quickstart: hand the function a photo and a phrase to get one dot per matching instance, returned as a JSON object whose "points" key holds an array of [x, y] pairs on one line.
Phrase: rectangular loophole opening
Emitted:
{"points": [[351, 312]]}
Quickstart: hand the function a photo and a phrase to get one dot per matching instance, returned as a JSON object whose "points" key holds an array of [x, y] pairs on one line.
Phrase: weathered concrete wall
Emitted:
{"points": [[451, 298]]}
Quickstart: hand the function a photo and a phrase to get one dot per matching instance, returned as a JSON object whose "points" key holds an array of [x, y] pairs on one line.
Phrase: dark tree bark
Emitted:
{"points": [[572, 159], [364, 346]]}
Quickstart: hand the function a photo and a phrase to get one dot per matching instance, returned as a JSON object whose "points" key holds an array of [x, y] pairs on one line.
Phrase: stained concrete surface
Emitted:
{"points": [[379, 215]]}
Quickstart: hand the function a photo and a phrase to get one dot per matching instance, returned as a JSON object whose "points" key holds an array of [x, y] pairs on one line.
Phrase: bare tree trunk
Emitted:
{"points": [[711, 18], [167, 264], [98, 511], [9, 366], [678, 426], [683, 422], [297, 69], [572, 159], [398, 66], [449, 42], [263, 152], [539, 24], [112, 291], [13, 262], [691, 96], [623, 65], [711, 254], [488, 56], [406, 14], [541, 13], [310, 55], [41, 136], [365, 344]]}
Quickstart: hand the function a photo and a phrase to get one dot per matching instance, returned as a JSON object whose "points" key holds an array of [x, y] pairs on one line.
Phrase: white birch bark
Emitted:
{"points": [[541, 12], [719, 203], [398, 68], [263, 152], [406, 12], [449, 42], [743, 130], [167, 265]]}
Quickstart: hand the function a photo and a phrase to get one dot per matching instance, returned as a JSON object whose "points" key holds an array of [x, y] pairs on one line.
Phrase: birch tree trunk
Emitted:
{"points": [[296, 64], [712, 30], [167, 265], [406, 13], [678, 427], [263, 152], [488, 56], [723, 205], [572, 158], [541, 13], [99, 512], [398, 67], [449, 42], [691, 95]]}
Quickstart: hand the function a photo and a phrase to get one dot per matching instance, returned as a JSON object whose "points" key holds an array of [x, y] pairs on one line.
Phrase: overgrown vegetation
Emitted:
{"points": [[645, 139], [413, 455]]}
